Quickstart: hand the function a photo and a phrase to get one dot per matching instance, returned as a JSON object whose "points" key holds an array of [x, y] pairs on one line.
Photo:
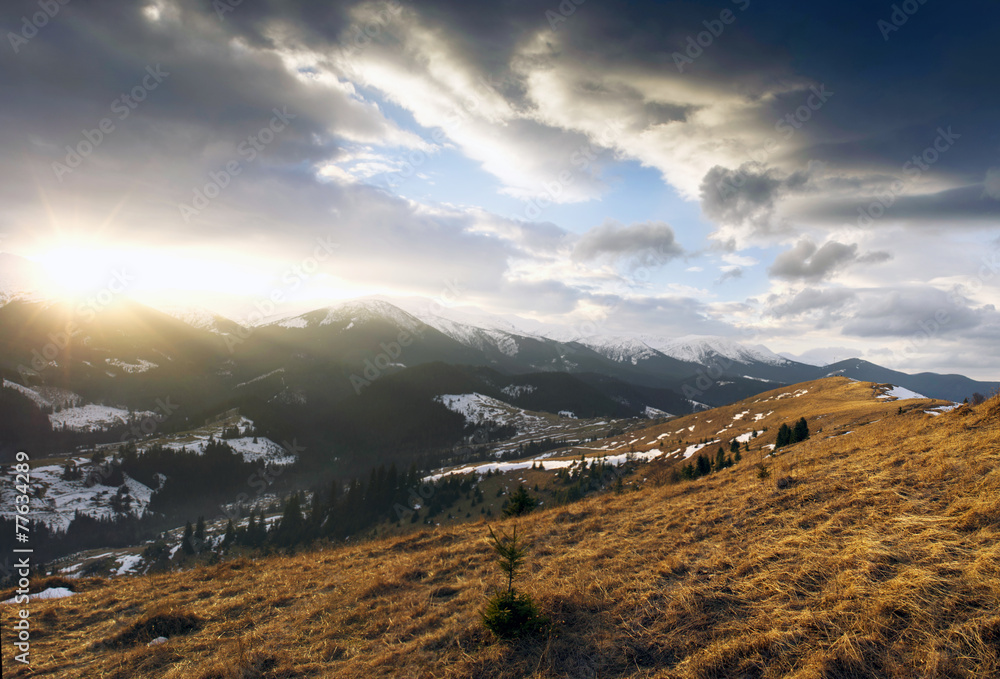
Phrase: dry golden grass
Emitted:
{"points": [[880, 559]]}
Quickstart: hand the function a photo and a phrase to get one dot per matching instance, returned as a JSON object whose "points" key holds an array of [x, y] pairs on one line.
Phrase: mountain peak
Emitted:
{"points": [[705, 349], [351, 312]]}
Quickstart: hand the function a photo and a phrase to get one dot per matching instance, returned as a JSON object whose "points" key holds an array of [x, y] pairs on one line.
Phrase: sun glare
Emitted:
{"points": [[188, 278], [78, 272]]}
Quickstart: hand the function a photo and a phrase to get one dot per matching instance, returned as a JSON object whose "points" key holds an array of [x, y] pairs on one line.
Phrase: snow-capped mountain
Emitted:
{"points": [[621, 349], [804, 359], [476, 338], [706, 350], [198, 317], [472, 328], [352, 313]]}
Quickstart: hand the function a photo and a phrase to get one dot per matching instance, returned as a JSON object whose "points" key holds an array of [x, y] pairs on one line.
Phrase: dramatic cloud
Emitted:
{"points": [[443, 141], [747, 196], [806, 261], [649, 243]]}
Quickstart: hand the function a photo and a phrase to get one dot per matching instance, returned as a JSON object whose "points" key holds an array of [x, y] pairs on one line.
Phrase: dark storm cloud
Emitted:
{"points": [[649, 243], [809, 262], [557, 84], [748, 195], [968, 206]]}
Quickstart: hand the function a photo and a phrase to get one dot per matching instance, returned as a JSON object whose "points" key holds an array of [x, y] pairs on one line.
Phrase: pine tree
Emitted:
{"points": [[289, 530], [261, 529], [520, 502], [508, 613], [784, 436], [250, 534], [230, 537], [70, 471], [801, 432], [186, 543], [703, 466], [734, 446], [199, 531], [720, 460]]}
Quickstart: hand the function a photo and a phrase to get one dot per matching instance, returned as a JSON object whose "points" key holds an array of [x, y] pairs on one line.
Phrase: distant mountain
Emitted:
{"points": [[707, 350], [622, 349], [696, 369], [951, 387], [345, 316], [322, 373], [202, 319]]}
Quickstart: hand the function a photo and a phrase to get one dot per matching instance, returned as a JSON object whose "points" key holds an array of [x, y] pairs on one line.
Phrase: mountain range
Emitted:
{"points": [[367, 374]]}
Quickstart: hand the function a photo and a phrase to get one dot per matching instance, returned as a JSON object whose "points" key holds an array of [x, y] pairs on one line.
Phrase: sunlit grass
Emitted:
{"points": [[881, 558]]}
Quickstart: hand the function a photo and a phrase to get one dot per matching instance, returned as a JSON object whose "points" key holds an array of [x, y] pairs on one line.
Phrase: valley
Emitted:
{"points": [[823, 565]]}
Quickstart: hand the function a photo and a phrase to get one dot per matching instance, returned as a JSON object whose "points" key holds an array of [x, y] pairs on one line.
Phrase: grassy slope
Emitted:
{"points": [[880, 559]]}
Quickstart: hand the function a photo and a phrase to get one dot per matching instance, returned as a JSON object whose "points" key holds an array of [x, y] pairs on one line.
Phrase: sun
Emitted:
{"points": [[73, 272], [216, 279]]}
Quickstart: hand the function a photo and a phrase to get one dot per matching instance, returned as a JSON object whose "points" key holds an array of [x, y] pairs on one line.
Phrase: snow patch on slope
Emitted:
{"points": [[54, 500], [140, 367], [518, 390], [94, 417], [900, 394]]}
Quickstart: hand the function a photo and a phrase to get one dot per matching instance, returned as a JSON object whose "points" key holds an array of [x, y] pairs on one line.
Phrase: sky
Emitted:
{"points": [[821, 178]]}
